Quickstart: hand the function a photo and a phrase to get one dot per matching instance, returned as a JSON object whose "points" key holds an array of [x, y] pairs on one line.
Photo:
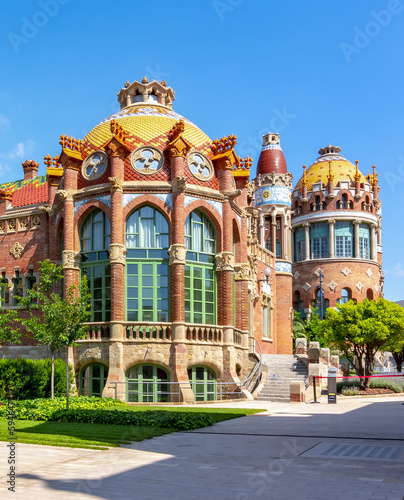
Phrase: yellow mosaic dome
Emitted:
{"points": [[342, 169]]}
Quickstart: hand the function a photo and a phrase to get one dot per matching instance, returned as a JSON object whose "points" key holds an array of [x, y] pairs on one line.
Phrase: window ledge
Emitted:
{"points": [[267, 339]]}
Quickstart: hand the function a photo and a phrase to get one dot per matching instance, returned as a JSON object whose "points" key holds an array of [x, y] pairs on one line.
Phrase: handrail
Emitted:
{"points": [[257, 368]]}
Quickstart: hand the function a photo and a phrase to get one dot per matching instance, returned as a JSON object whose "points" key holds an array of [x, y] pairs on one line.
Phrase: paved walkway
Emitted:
{"points": [[350, 451]]}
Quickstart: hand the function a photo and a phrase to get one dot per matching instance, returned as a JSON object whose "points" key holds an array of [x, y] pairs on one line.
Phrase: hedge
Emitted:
{"points": [[30, 379]]}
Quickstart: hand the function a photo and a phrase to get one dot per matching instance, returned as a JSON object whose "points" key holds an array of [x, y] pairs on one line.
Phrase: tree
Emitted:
{"points": [[60, 322], [362, 329], [399, 358]]}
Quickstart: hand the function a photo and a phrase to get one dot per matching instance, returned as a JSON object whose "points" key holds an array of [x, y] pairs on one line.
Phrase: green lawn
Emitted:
{"points": [[101, 437]]}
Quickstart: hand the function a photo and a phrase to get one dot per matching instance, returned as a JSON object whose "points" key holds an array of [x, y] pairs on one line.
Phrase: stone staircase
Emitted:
{"points": [[281, 369]]}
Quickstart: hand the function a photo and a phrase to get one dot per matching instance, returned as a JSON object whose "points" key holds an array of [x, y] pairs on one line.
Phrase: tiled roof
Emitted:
{"points": [[271, 160], [28, 192], [342, 170], [144, 124]]}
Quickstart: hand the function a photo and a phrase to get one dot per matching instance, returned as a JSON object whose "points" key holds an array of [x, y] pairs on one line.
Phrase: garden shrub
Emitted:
{"points": [[30, 379], [350, 391], [395, 384]]}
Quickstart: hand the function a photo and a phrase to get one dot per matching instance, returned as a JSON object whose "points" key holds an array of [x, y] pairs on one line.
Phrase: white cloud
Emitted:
{"points": [[21, 152], [4, 123], [398, 270]]}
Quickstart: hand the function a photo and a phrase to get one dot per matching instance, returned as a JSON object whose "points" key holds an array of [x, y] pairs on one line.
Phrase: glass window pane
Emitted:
{"points": [[147, 269], [132, 293], [147, 293]]}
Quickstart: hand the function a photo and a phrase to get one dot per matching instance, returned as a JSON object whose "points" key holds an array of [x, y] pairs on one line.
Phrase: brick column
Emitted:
{"points": [[117, 250], [71, 259]]}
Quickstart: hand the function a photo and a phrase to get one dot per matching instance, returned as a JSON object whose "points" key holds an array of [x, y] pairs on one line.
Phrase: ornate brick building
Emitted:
{"points": [[162, 221], [336, 227]]}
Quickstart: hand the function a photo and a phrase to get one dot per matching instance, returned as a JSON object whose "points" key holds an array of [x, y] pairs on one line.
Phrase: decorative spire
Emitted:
{"points": [[70, 143], [177, 129], [304, 181], [330, 174], [243, 167], [357, 173], [51, 162], [374, 176], [118, 131]]}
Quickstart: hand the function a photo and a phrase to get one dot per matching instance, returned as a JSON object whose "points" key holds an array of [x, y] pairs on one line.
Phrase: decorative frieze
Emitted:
{"points": [[23, 223], [332, 285], [11, 224], [177, 253], [16, 249], [36, 220], [225, 261], [345, 271], [117, 253], [71, 259]]}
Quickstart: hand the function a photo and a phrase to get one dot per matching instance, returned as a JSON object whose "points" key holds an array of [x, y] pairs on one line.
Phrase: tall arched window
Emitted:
{"points": [[94, 247], [318, 203], [319, 240], [200, 275], [147, 242], [364, 241]]}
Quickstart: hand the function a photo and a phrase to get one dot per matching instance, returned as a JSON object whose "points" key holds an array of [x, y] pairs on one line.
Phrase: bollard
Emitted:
{"points": [[332, 385]]}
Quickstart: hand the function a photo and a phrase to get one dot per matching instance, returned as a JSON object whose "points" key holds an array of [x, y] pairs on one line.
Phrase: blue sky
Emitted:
{"points": [[317, 72]]}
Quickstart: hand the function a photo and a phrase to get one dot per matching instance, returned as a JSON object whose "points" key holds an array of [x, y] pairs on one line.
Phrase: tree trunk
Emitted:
{"points": [[67, 378], [52, 375], [399, 358], [360, 372], [369, 360]]}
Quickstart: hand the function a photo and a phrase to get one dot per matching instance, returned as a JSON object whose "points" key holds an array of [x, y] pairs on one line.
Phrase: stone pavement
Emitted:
{"points": [[350, 451]]}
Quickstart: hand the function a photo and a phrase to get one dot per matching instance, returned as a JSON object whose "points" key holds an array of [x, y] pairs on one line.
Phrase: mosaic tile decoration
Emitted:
{"points": [[106, 198], [272, 146], [269, 195], [283, 267], [215, 204], [166, 197]]}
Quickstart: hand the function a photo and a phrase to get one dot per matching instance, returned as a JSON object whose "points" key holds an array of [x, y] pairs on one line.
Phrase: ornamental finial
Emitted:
{"points": [[330, 174], [304, 181], [357, 174]]}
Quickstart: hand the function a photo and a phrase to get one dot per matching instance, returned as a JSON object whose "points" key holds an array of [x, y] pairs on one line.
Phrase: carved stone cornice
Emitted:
{"points": [[117, 253], [177, 253], [274, 179], [116, 184], [71, 259], [225, 261], [180, 184]]}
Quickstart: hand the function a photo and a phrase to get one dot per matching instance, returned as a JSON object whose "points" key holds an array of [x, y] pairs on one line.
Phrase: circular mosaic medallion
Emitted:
{"points": [[200, 166], [147, 160], [95, 165]]}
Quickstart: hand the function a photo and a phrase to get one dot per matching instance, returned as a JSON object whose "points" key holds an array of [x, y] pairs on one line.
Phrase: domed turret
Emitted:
{"points": [[271, 159]]}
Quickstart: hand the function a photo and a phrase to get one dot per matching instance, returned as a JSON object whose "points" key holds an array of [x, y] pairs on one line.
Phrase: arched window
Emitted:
{"points": [[203, 383], [147, 283], [343, 203], [92, 379], [345, 296], [200, 274], [298, 304], [318, 203], [369, 294], [343, 239], [147, 384], [94, 248]]}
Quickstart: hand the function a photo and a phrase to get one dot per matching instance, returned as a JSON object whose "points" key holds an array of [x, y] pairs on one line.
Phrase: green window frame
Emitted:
{"points": [[319, 233], [147, 383], [94, 248], [200, 271], [93, 378], [203, 383], [147, 269]]}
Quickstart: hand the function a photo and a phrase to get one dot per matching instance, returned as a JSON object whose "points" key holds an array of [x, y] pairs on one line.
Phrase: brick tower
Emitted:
{"points": [[273, 188]]}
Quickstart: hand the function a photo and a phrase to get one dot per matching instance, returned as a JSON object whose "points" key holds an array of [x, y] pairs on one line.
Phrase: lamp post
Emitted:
{"points": [[267, 274], [321, 295]]}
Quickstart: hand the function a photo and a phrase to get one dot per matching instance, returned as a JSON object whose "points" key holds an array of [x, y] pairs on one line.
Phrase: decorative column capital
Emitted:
{"points": [[116, 184], [331, 222], [71, 259], [225, 261], [177, 253], [357, 222], [306, 224], [117, 253]]}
